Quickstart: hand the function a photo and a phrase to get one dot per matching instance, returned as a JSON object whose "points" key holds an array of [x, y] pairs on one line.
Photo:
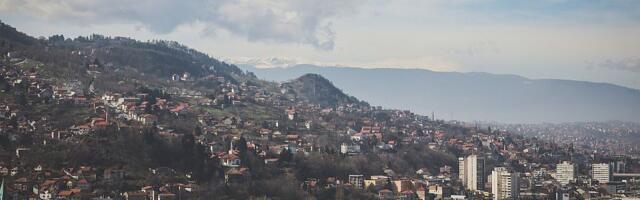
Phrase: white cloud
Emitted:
{"points": [[284, 21]]}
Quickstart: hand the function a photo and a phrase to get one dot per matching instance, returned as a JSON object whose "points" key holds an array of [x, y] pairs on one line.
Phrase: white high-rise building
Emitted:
{"points": [[461, 170], [565, 173], [504, 185], [601, 172], [471, 172]]}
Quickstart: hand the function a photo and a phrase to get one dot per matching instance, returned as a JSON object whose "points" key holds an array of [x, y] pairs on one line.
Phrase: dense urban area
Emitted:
{"points": [[113, 118]]}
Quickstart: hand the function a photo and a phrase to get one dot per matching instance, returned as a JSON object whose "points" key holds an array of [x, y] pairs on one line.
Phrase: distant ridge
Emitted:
{"points": [[476, 96]]}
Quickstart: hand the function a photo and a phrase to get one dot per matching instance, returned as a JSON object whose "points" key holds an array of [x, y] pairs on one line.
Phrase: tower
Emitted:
{"points": [[231, 146]]}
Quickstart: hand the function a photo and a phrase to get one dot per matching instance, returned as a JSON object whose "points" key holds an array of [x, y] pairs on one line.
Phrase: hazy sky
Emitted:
{"points": [[594, 40]]}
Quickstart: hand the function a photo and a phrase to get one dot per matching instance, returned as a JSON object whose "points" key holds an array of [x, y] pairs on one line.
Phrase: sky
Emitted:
{"points": [[591, 40]]}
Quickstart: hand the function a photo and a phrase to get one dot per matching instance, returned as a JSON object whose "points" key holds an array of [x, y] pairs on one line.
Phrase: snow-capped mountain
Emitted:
{"points": [[267, 62]]}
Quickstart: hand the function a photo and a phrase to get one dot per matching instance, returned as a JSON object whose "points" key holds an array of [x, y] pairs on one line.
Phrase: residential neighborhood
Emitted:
{"points": [[224, 134]]}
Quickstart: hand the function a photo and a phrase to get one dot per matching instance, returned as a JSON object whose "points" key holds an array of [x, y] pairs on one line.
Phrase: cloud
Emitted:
{"points": [[286, 21], [625, 64]]}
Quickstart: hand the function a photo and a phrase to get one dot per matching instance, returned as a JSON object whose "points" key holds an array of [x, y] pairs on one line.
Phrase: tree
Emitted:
{"points": [[188, 142], [285, 156], [242, 145], [197, 131]]}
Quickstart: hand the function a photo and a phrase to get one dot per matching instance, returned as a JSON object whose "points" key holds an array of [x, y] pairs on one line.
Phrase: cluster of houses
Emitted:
{"points": [[40, 183], [298, 129]]}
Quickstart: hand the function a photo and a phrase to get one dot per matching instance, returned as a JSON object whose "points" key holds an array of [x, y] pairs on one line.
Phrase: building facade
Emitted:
{"points": [[504, 184], [357, 181], [565, 173], [472, 173], [601, 172]]}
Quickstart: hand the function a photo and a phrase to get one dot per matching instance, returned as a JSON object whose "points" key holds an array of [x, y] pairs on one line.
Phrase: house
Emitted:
{"points": [[376, 180], [65, 194], [180, 109], [402, 185], [175, 77], [407, 195], [15, 171], [80, 129], [38, 168], [56, 134], [270, 161], [236, 175], [357, 181], [291, 113], [436, 190], [80, 100], [421, 193], [83, 184], [185, 76], [114, 174], [310, 184], [138, 195], [4, 171], [45, 195], [99, 123], [164, 171], [231, 121], [356, 137], [230, 160], [167, 196], [148, 119], [386, 194], [292, 138], [21, 184], [151, 191], [349, 149], [423, 171], [21, 151]]}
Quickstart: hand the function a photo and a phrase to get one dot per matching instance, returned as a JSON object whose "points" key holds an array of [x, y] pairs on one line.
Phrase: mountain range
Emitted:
{"points": [[474, 96]]}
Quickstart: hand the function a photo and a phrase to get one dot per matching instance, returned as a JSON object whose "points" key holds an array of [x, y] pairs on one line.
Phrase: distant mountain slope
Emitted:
{"points": [[476, 96], [315, 88], [157, 60]]}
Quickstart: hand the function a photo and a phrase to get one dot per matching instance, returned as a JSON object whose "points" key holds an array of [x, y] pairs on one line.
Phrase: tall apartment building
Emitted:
{"points": [[504, 184], [472, 173], [565, 172], [601, 172]]}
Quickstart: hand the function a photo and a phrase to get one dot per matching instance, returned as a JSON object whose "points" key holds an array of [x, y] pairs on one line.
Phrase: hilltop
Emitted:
{"points": [[317, 89]]}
